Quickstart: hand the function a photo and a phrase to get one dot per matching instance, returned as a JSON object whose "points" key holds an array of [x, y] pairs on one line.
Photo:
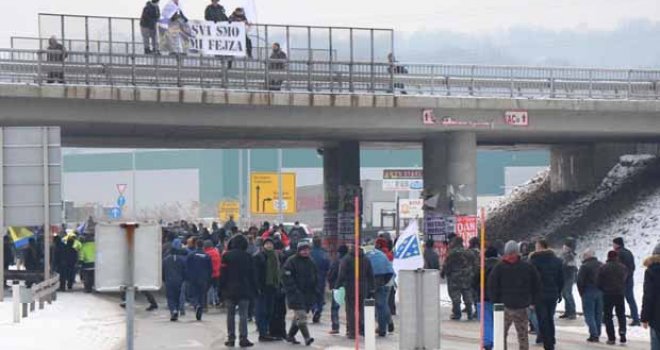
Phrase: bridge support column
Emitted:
{"points": [[341, 172], [450, 173]]}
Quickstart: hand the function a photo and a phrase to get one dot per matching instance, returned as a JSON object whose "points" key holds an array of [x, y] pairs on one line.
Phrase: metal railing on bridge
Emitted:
{"points": [[88, 68]]}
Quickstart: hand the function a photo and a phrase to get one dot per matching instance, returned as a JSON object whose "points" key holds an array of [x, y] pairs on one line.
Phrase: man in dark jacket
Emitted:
{"points": [[333, 274], [299, 276], [174, 273], [490, 263], [148, 23], [627, 259], [517, 285], [238, 283], [56, 53], [198, 272], [322, 261], [8, 254], [612, 282], [267, 268], [215, 12], [459, 269], [431, 258], [278, 56], [651, 300], [592, 297], [239, 16], [68, 265], [383, 275], [568, 258], [346, 279], [549, 267]]}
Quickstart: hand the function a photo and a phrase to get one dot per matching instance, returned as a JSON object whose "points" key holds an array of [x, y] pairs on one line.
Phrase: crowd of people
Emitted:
{"points": [[266, 273], [530, 283]]}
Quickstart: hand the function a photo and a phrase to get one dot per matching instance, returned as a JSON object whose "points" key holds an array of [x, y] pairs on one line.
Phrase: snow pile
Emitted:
{"points": [[519, 193]]}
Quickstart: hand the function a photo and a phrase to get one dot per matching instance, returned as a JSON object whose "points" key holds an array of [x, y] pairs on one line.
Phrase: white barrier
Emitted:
{"points": [[370, 324], [499, 340], [40, 292]]}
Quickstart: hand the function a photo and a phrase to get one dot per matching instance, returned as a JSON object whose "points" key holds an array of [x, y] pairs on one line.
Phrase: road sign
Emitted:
{"points": [[121, 201], [411, 208], [229, 208], [403, 180], [115, 213], [264, 193], [121, 188]]}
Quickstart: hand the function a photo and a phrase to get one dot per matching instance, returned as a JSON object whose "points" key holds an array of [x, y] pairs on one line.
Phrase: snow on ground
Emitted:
{"points": [[75, 321]]}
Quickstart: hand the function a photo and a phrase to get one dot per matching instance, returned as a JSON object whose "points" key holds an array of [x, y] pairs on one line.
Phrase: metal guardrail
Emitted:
{"points": [[32, 66], [22, 296]]}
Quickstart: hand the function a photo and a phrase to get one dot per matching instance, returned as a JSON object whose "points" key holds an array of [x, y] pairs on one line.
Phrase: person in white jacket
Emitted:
{"points": [[174, 20]]}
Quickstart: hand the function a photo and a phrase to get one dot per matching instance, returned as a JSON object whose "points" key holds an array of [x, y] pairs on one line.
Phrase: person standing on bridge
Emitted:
{"points": [[651, 300], [56, 53], [148, 23], [277, 63], [517, 285], [175, 20], [215, 12], [239, 16], [626, 258]]}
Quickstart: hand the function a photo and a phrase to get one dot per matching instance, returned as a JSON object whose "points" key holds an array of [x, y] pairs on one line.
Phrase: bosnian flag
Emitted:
{"points": [[408, 250]]}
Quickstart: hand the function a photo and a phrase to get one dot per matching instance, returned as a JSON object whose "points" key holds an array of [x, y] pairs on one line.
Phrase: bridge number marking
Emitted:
{"points": [[516, 118]]}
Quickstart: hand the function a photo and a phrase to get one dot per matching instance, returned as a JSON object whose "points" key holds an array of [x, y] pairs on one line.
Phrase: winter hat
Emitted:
{"points": [[618, 241], [511, 248], [268, 239], [491, 252], [656, 250], [208, 244], [302, 245], [176, 244], [588, 254], [342, 250], [570, 242], [612, 255]]}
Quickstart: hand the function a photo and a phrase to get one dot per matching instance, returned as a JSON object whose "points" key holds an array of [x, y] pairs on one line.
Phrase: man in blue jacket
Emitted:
{"points": [[198, 272], [322, 261], [174, 273]]}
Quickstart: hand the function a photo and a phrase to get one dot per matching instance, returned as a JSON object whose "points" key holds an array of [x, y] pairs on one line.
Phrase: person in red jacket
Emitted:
{"points": [[276, 231], [382, 245], [216, 261]]}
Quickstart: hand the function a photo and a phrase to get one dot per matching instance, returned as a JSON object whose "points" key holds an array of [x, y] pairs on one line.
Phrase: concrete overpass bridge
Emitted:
{"points": [[587, 116]]}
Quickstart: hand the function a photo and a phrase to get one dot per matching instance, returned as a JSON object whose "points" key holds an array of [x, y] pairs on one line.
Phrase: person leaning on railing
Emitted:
{"points": [[55, 53], [277, 62], [394, 69], [239, 16], [176, 24], [148, 22], [215, 12]]}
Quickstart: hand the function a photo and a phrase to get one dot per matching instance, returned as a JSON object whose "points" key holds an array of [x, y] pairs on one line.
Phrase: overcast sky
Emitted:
{"points": [[466, 16]]}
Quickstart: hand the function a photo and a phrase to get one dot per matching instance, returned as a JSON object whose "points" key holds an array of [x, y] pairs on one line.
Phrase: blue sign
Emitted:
{"points": [[121, 201], [417, 185], [115, 213]]}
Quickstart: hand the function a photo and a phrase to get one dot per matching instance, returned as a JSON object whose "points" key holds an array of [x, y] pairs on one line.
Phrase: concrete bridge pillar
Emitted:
{"points": [[341, 171], [450, 172]]}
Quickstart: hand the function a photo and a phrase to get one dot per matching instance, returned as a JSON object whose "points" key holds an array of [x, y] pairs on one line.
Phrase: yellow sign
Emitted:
{"points": [[229, 208], [264, 190]]}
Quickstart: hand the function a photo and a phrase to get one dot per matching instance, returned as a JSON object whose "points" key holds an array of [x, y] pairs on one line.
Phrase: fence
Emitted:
{"points": [[22, 296], [113, 69], [345, 43]]}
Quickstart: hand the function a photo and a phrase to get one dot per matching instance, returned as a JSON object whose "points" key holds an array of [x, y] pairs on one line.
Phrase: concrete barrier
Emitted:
{"points": [[499, 341]]}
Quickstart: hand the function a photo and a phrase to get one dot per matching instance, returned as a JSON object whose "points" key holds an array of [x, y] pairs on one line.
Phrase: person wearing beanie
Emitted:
{"points": [[569, 270], [346, 279], [491, 261], [592, 297], [612, 282], [239, 285], [549, 267], [431, 257], [333, 273], [650, 316], [299, 275], [267, 268], [174, 273], [517, 285], [627, 259], [459, 268]]}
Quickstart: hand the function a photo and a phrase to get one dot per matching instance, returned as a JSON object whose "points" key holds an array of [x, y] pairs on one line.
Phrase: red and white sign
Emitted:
{"points": [[466, 227], [428, 117], [516, 118], [121, 188]]}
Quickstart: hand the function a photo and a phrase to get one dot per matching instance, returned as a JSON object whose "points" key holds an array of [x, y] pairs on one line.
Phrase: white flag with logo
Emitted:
{"points": [[408, 250]]}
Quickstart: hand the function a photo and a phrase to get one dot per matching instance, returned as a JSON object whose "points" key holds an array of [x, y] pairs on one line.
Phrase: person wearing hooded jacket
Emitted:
{"points": [[569, 265], [148, 22], [550, 269], [346, 279], [612, 282], [216, 261], [650, 316], [517, 285], [174, 273], [459, 269], [627, 259], [383, 275], [238, 283], [215, 12], [299, 276], [267, 268]]}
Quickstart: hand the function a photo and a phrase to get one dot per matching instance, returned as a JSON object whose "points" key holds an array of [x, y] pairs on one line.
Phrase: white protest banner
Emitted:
{"points": [[221, 39], [411, 208]]}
